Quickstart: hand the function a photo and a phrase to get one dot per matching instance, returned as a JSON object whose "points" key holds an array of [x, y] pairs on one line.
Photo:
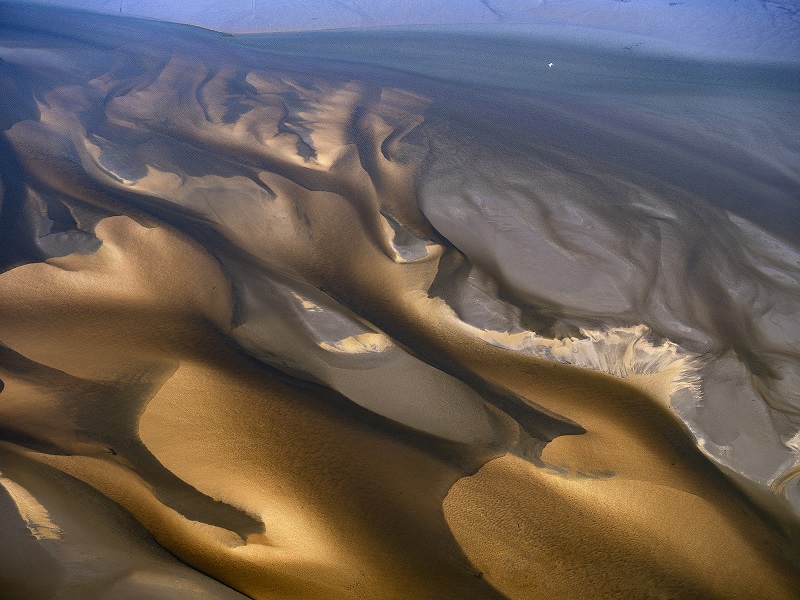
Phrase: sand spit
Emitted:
{"points": [[276, 326]]}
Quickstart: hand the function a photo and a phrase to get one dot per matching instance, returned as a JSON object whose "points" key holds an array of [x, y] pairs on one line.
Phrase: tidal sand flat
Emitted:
{"points": [[395, 314]]}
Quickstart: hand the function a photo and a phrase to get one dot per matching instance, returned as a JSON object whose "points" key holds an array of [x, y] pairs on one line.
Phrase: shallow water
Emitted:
{"points": [[290, 304]]}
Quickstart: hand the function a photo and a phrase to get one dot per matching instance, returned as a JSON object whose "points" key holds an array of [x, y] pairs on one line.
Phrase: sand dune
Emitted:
{"points": [[276, 325]]}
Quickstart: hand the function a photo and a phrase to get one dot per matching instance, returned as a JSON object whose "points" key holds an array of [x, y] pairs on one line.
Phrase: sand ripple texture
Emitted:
{"points": [[381, 315]]}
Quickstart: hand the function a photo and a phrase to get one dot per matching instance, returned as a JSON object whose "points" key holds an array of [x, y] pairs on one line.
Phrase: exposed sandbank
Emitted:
{"points": [[326, 329]]}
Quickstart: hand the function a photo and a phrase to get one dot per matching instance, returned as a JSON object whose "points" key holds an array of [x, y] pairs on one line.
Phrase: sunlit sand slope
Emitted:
{"points": [[274, 325]]}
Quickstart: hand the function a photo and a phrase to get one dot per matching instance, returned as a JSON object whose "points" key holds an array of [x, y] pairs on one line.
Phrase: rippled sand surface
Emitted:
{"points": [[388, 315]]}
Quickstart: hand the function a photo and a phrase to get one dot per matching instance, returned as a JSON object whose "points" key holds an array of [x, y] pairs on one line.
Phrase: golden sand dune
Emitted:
{"points": [[276, 326]]}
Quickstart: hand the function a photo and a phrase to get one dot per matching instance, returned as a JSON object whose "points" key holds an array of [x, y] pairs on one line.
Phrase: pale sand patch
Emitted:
{"points": [[537, 534], [327, 489], [131, 303], [37, 518]]}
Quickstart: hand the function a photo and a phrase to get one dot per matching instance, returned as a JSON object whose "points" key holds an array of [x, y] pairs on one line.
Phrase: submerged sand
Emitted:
{"points": [[277, 323]]}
